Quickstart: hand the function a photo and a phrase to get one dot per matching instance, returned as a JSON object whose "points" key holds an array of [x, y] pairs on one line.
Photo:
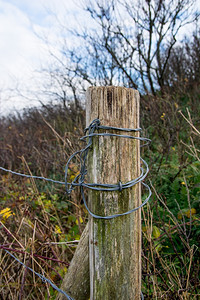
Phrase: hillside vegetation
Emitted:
{"points": [[37, 216]]}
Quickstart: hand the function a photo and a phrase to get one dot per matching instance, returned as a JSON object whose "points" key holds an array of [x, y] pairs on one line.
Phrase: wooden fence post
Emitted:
{"points": [[114, 245]]}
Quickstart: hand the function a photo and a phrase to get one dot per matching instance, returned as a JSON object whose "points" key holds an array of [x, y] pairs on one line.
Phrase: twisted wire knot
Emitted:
{"points": [[120, 186]]}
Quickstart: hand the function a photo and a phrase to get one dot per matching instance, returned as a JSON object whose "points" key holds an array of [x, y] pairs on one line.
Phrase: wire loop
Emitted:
{"points": [[79, 179]]}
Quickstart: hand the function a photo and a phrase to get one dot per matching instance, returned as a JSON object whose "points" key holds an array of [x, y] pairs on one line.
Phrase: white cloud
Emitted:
{"points": [[21, 50]]}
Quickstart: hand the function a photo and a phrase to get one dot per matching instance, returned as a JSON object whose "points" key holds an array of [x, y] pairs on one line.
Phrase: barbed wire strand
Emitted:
{"points": [[44, 279], [32, 176], [79, 179]]}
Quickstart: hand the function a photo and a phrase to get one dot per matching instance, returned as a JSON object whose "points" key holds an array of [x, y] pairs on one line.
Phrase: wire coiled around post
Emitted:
{"points": [[83, 153]]}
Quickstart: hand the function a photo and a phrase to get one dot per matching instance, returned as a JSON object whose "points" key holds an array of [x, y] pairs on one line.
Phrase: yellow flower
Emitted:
{"points": [[183, 183], [57, 229], [80, 220], [173, 148], [6, 213], [163, 115]]}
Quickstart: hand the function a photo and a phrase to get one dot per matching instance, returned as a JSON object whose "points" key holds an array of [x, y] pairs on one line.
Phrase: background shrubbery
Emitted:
{"points": [[41, 215]]}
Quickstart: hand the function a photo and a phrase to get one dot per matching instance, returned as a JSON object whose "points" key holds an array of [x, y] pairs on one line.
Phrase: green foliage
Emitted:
{"points": [[171, 228]]}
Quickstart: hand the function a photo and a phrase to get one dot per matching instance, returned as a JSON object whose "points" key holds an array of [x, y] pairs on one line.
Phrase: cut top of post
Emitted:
{"points": [[114, 106]]}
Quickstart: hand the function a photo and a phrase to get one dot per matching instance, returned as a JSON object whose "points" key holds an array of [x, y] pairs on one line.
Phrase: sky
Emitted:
{"points": [[23, 26]]}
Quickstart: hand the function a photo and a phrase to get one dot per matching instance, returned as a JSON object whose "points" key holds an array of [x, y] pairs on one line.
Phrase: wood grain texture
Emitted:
{"points": [[114, 245]]}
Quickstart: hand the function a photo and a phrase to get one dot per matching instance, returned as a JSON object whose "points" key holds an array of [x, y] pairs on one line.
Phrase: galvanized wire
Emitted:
{"points": [[83, 153], [32, 176], [43, 278]]}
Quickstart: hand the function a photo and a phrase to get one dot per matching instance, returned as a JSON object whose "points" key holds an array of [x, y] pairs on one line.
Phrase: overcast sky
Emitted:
{"points": [[21, 51]]}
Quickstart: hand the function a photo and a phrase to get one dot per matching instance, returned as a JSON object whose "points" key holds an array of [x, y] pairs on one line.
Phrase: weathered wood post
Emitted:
{"points": [[114, 245]]}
